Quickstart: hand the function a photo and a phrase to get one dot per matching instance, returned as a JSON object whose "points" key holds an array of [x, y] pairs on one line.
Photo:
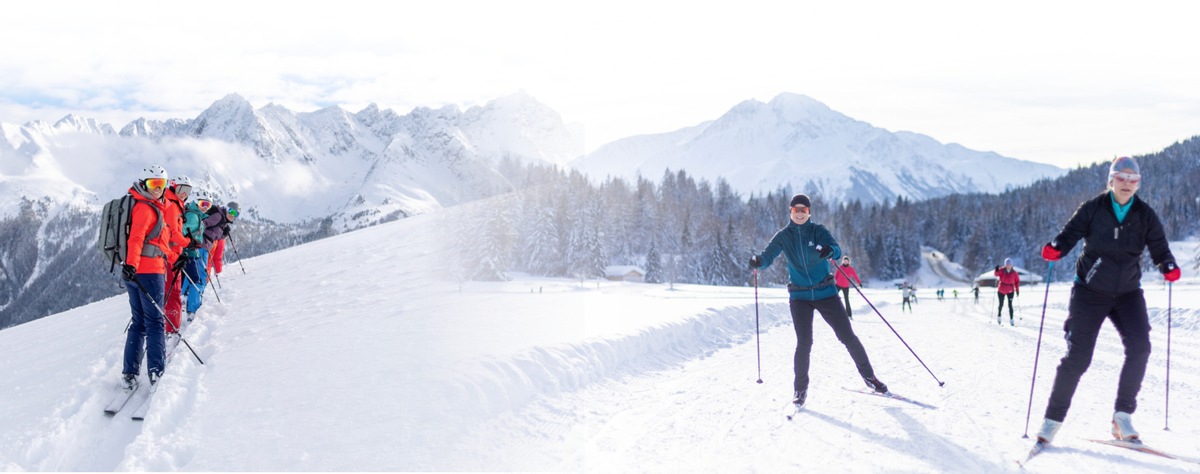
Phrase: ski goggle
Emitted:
{"points": [[156, 183], [203, 204], [183, 188], [233, 213], [803, 209], [1131, 178]]}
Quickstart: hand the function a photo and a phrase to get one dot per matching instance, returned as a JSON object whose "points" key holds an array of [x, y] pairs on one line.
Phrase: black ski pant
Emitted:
{"points": [[1000, 310], [1086, 313], [846, 295], [835, 315]]}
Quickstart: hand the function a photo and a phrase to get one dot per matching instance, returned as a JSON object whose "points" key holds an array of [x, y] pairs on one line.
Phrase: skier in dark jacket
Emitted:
{"points": [[1116, 228], [809, 247]]}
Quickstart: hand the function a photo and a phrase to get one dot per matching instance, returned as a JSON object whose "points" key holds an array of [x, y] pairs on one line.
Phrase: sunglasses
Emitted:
{"points": [[156, 183], [1131, 178], [803, 209], [203, 204], [233, 213]]}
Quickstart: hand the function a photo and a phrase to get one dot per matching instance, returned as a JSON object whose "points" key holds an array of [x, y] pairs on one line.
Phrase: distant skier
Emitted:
{"points": [[1008, 283], [907, 292], [808, 247], [975, 289], [842, 280], [1116, 228]]}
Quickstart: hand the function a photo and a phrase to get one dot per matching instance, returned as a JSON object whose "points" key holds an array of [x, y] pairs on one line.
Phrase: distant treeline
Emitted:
{"points": [[683, 230]]}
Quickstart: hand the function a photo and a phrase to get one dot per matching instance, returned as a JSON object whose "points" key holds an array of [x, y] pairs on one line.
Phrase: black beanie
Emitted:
{"points": [[801, 200]]}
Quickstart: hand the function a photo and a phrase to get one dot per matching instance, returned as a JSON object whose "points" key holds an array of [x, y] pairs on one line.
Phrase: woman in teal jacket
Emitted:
{"points": [[809, 247]]}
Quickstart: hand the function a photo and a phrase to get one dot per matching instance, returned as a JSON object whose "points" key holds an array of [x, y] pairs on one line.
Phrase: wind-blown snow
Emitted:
{"points": [[355, 353]]}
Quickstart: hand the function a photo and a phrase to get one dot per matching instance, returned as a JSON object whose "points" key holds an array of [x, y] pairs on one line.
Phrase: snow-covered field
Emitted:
{"points": [[353, 353]]}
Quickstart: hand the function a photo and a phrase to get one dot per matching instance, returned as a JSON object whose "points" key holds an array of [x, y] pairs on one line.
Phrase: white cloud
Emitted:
{"points": [[1063, 83]]}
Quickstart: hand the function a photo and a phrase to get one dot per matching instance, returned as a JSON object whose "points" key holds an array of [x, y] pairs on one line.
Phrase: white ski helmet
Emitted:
{"points": [[153, 171], [183, 181], [199, 195]]}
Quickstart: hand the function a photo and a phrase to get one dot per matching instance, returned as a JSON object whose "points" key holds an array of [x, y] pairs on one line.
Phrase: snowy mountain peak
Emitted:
{"points": [[75, 123], [798, 142]]}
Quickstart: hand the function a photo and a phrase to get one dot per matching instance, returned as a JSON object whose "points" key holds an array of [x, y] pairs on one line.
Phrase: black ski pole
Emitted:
{"points": [[757, 343], [214, 288], [1037, 353], [235, 252], [885, 321], [193, 282], [164, 315], [1167, 409]]}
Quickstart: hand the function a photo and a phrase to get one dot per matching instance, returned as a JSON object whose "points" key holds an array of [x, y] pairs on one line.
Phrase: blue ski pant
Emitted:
{"points": [[146, 327], [834, 314], [194, 293], [1086, 313]]}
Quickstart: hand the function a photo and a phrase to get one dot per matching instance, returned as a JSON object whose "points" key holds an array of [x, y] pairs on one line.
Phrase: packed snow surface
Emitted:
{"points": [[356, 353]]}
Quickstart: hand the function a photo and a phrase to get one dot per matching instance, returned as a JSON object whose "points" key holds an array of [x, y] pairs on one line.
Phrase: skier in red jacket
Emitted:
{"points": [[1008, 284], [842, 280]]}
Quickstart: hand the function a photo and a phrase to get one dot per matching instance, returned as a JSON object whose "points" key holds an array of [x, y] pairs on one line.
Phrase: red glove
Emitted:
{"points": [[1051, 253], [1170, 271]]}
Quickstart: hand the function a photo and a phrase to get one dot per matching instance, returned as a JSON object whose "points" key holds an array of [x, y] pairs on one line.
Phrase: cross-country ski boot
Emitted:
{"points": [[1049, 429], [1123, 427], [875, 384]]}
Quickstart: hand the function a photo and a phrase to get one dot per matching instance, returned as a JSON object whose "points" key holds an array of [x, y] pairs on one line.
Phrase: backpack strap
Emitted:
{"points": [[149, 249]]}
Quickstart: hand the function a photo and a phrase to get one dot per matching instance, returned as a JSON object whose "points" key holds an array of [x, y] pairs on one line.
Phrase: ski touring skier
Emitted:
{"points": [[842, 280], [1008, 283], [144, 271], [809, 247], [193, 229], [174, 196], [1116, 227]]}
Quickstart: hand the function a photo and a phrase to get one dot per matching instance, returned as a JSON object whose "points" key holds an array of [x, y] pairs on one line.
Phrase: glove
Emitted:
{"points": [[997, 267], [755, 261], [824, 252], [192, 243], [1051, 253], [1018, 294], [1169, 270], [179, 263], [225, 230], [128, 272]]}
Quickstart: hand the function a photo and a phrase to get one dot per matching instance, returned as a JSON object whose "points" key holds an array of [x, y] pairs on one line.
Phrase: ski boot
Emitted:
{"points": [[129, 382], [875, 384], [1123, 427], [798, 397], [1049, 429]]}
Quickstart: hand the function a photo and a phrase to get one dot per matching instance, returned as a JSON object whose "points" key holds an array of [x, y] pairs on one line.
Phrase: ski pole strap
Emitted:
{"points": [[821, 284]]}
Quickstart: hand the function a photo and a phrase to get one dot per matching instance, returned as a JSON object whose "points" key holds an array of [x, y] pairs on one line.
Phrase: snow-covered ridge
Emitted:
{"points": [[359, 168], [796, 141]]}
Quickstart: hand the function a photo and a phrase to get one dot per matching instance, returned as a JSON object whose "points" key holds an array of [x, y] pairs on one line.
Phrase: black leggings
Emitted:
{"points": [[835, 316], [1000, 310]]}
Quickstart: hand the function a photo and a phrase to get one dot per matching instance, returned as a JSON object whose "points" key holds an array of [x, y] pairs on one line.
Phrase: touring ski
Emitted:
{"points": [[891, 395], [119, 400], [1138, 445]]}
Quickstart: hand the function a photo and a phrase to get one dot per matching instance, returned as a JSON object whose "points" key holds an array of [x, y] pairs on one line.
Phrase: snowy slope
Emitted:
{"points": [[796, 141], [354, 353]]}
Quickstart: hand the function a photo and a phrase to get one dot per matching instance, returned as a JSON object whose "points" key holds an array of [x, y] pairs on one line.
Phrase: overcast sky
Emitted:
{"points": [[1056, 82]]}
